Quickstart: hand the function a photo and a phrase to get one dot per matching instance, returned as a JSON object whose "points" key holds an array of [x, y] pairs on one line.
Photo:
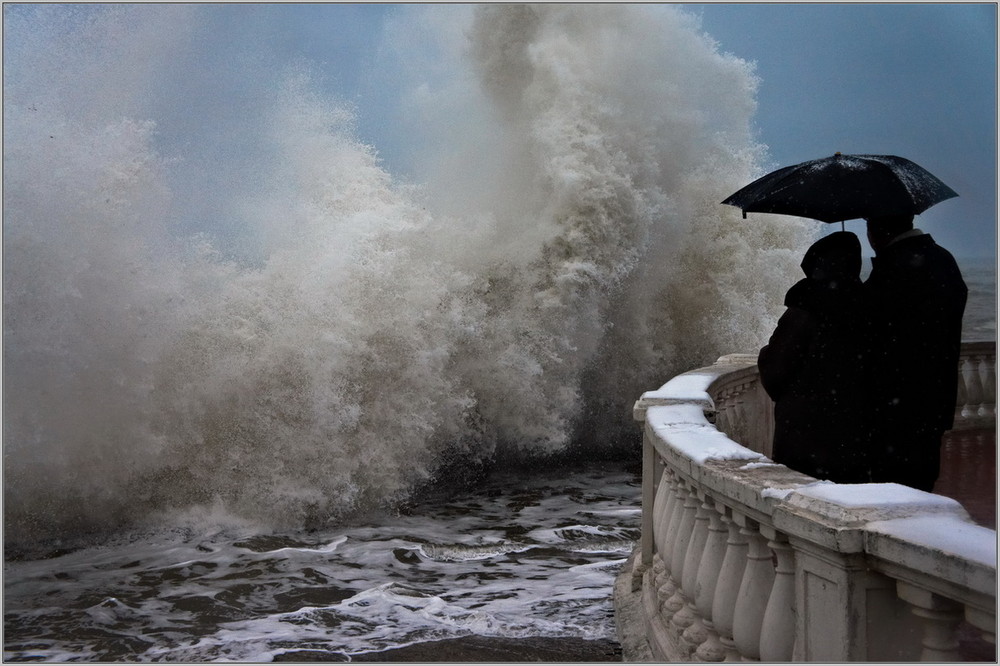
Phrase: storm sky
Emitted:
{"points": [[917, 80], [911, 79]]}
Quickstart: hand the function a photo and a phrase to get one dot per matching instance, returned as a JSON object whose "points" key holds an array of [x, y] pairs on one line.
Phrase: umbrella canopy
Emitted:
{"points": [[844, 187]]}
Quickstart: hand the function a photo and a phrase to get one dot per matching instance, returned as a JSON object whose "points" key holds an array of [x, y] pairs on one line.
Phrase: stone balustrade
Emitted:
{"points": [[742, 559], [977, 386]]}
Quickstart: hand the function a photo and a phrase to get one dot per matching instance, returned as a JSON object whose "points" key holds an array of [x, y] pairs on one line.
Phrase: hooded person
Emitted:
{"points": [[813, 366]]}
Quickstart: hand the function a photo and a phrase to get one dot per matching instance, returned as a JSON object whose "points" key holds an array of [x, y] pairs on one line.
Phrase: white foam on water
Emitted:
{"points": [[463, 552], [240, 596]]}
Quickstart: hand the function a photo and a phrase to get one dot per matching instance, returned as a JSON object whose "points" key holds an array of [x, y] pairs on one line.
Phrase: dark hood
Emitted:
{"points": [[833, 275], [835, 257]]}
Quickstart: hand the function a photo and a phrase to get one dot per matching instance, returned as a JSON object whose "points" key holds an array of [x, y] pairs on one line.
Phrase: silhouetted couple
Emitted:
{"points": [[864, 376]]}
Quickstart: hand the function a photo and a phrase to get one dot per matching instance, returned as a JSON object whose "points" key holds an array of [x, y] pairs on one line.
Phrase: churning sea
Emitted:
{"points": [[526, 552]]}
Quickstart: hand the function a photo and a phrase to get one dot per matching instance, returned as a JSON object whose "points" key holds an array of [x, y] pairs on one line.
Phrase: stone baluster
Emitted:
{"points": [[661, 522], [737, 432], [685, 526], [984, 621], [680, 541], [973, 386], [711, 648], [680, 537], [733, 413], [664, 588], [661, 504], [777, 640], [652, 477], [660, 576], [961, 398], [755, 590], [668, 587], [673, 520], [693, 633], [940, 618], [727, 587], [723, 407], [988, 408]]}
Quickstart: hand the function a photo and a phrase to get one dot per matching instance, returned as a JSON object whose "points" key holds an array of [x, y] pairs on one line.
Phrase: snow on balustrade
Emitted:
{"points": [[966, 544], [744, 559], [693, 436]]}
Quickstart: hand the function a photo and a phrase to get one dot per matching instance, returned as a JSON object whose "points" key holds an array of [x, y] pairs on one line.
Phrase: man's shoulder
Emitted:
{"points": [[922, 244], [940, 252], [922, 264]]}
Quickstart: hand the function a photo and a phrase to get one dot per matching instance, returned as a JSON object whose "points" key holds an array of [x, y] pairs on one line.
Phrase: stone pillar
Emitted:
{"points": [[724, 407], [984, 621], [755, 590], [973, 387], [695, 633], [661, 504], [988, 409], [649, 491], [939, 619], [667, 591], [682, 535], [778, 631], [834, 597], [961, 397], [727, 588], [711, 648], [666, 519], [838, 596], [682, 617]]}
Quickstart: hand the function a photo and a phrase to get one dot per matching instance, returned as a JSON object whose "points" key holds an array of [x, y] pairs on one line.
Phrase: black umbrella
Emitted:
{"points": [[844, 187]]}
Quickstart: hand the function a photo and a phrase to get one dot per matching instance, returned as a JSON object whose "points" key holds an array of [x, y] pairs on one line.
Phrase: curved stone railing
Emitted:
{"points": [[744, 559]]}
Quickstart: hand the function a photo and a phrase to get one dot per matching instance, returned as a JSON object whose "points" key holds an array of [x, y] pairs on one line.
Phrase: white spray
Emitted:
{"points": [[336, 336]]}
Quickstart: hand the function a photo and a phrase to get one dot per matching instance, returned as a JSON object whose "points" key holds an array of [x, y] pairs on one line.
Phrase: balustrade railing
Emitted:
{"points": [[977, 386], [744, 559]]}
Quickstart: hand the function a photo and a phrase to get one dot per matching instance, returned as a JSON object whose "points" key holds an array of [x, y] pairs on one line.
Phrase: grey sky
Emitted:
{"points": [[912, 79], [916, 80]]}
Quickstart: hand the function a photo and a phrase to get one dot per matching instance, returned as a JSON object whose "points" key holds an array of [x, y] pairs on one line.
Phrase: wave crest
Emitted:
{"points": [[334, 336]]}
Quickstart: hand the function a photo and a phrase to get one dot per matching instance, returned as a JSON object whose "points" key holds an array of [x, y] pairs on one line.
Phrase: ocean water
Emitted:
{"points": [[264, 393], [526, 554], [980, 322]]}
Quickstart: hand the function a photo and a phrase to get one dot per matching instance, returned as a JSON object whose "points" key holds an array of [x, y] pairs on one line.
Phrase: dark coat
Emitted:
{"points": [[917, 298], [813, 366]]}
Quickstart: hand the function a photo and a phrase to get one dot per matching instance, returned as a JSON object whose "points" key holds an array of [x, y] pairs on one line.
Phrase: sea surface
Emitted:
{"points": [[980, 322], [528, 553]]}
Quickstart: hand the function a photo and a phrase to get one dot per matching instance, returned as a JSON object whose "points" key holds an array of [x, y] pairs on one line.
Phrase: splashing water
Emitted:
{"points": [[233, 304], [521, 555]]}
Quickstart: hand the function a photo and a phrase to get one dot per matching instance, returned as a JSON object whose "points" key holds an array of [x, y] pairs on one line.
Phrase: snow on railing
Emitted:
{"points": [[744, 559]]}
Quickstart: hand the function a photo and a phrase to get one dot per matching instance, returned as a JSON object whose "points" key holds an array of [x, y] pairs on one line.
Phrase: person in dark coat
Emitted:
{"points": [[917, 298], [813, 366]]}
